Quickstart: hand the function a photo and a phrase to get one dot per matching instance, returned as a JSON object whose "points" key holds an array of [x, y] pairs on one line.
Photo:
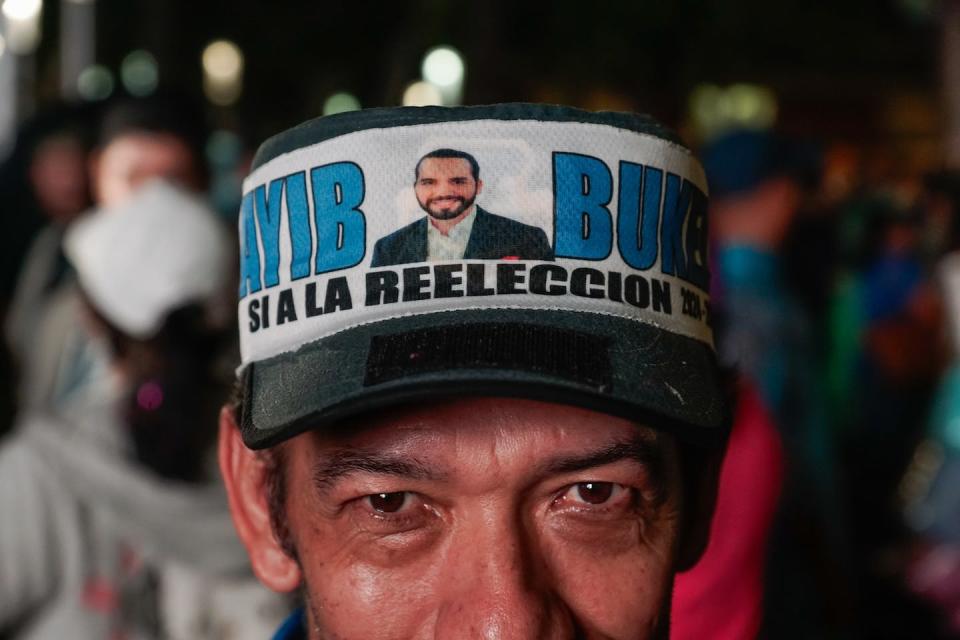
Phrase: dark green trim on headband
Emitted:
{"points": [[327, 127]]}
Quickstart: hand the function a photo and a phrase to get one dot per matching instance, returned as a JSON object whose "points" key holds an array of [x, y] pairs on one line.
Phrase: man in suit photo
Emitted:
{"points": [[447, 183]]}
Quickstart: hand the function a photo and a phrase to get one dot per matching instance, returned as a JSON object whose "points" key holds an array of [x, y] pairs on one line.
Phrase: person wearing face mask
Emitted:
{"points": [[137, 140], [112, 519], [52, 147]]}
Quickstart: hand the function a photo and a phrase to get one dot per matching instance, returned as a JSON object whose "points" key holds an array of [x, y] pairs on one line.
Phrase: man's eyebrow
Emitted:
{"points": [[644, 451], [347, 461]]}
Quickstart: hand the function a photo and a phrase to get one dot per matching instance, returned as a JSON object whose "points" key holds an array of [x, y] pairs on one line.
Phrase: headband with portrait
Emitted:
{"points": [[397, 255]]}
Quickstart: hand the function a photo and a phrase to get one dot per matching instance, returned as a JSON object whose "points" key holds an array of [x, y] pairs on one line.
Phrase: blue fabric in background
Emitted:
{"points": [[936, 513], [888, 285], [293, 628], [743, 159]]}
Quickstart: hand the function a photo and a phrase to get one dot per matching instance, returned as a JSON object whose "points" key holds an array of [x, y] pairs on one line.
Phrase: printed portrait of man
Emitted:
{"points": [[447, 183]]}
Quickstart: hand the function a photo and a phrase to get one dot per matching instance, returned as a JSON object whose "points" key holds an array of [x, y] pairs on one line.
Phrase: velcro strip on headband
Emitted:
{"points": [[575, 356]]}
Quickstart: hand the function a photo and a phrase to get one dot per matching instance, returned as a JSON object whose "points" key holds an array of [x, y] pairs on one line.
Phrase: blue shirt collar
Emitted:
{"points": [[293, 628]]}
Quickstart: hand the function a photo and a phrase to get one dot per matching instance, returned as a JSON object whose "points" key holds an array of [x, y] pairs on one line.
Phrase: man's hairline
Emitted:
{"points": [[429, 156]]}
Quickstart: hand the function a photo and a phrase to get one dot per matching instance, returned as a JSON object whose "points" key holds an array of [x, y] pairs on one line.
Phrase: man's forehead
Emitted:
{"points": [[461, 426], [490, 447]]}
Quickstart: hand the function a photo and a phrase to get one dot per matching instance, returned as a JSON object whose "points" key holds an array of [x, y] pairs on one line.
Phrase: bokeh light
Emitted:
{"points": [[150, 396], [22, 18], [422, 94], [21, 9], [95, 83], [139, 73], [222, 60], [340, 102], [714, 109], [752, 105], [223, 148], [444, 68], [222, 72]]}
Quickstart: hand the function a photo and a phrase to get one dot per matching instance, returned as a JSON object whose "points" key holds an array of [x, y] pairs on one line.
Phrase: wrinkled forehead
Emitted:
{"points": [[486, 430]]}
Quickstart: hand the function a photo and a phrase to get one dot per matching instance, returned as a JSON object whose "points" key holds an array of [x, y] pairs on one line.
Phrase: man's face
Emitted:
{"points": [[58, 175], [130, 160], [446, 187], [492, 518]]}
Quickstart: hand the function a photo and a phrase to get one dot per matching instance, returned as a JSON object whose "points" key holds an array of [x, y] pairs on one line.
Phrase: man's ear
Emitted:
{"points": [[479, 187], [701, 480], [245, 476]]}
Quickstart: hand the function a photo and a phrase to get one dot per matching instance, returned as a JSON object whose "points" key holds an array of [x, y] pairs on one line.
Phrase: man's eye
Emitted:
{"points": [[388, 502], [596, 493]]}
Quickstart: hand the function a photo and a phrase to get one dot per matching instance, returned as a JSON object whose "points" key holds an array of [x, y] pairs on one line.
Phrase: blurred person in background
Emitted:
{"points": [[45, 186], [757, 184], [44, 182], [113, 521], [930, 488], [139, 139], [884, 352], [887, 322], [899, 363]]}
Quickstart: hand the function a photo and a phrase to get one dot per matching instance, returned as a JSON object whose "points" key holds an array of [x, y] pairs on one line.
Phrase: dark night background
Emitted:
{"points": [[870, 86], [840, 65]]}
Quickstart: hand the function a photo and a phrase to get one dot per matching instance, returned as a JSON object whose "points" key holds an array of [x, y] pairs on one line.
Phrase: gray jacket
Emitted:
{"points": [[92, 545]]}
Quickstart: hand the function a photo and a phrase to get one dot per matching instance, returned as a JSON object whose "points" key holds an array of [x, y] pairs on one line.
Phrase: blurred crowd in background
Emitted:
{"points": [[835, 259]]}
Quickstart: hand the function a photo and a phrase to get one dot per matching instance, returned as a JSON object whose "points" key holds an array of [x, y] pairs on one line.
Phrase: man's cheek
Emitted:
{"points": [[366, 601], [361, 585], [615, 576], [615, 599]]}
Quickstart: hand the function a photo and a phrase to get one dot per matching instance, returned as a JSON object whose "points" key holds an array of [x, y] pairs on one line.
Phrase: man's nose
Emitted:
{"points": [[502, 589]]}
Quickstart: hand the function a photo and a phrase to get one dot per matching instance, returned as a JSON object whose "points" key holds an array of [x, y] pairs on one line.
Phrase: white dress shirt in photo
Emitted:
{"points": [[453, 245]]}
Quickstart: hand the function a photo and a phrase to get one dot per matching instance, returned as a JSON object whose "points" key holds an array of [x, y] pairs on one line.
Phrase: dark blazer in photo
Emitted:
{"points": [[493, 237]]}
